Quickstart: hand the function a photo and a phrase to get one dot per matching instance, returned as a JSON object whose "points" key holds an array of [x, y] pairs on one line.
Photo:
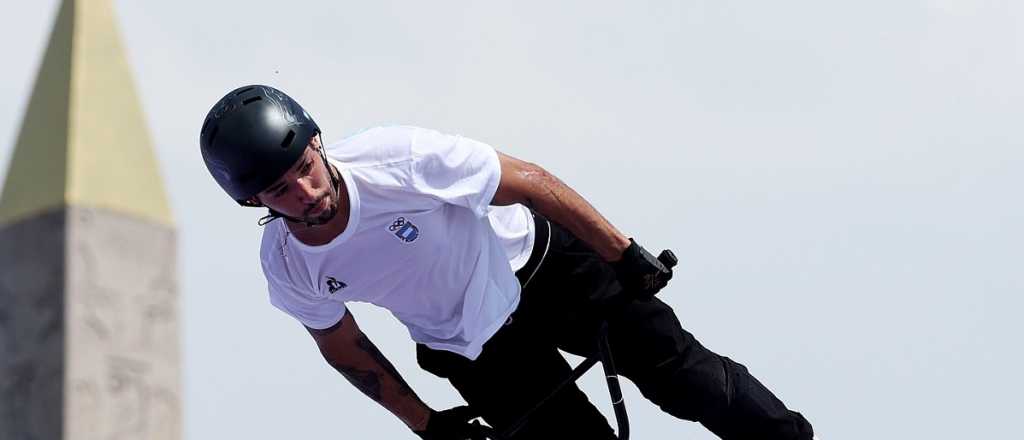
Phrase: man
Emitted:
{"points": [[492, 263]]}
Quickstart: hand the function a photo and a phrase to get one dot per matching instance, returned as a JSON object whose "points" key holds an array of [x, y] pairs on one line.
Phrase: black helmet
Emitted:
{"points": [[251, 137]]}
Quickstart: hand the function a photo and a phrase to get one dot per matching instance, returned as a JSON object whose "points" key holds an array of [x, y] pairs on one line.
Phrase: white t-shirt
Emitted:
{"points": [[422, 241]]}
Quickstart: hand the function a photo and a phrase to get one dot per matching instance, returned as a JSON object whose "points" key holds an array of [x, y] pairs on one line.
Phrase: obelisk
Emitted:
{"points": [[89, 344]]}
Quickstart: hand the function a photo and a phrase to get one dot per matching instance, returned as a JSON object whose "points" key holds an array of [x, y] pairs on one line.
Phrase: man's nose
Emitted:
{"points": [[306, 192]]}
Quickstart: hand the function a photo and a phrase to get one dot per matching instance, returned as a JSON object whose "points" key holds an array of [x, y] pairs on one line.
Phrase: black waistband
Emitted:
{"points": [[541, 242]]}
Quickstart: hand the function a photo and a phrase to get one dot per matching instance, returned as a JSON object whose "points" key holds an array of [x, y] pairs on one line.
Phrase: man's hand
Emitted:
{"points": [[452, 424], [642, 275]]}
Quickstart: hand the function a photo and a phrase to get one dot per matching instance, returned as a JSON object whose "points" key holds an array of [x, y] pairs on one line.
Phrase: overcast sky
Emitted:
{"points": [[841, 181]]}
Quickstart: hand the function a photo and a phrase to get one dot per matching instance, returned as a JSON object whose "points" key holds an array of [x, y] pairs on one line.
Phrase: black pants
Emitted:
{"points": [[561, 307]]}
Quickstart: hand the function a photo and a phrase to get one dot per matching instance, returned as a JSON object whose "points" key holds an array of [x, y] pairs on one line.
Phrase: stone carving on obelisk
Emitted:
{"points": [[89, 345]]}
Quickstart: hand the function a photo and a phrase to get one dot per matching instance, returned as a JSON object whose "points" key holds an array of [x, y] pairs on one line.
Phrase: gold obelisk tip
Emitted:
{"points": [[84, 139]]}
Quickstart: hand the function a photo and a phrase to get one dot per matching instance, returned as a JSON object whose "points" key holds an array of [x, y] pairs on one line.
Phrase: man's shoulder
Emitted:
{"points": [[275, 258], [374, 146], [272, 244]]}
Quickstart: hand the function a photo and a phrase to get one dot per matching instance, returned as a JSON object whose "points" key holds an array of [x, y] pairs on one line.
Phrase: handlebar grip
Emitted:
{"points": [[668, 258]]}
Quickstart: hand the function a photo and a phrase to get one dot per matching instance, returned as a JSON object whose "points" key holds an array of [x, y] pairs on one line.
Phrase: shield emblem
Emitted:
{"points": [[404, 229]]}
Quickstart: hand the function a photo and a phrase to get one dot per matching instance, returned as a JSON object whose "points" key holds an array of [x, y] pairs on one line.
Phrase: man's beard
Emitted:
{"points": [[325, 216]]}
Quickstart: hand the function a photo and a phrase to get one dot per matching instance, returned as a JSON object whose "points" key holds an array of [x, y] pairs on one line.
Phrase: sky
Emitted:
{"points": [[840, 180]]}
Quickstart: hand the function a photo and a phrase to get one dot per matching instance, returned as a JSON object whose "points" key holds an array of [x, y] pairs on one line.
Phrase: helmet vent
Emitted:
{"points": [[288, 139], [240, 92], [251, 100]]}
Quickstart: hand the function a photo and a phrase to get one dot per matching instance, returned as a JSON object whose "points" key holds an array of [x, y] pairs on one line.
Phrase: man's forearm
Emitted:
{"points": [[560, 203], [373, 374]]}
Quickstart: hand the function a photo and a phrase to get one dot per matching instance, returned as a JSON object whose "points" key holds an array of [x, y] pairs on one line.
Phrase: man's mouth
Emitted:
{"points": [[319, 207]]}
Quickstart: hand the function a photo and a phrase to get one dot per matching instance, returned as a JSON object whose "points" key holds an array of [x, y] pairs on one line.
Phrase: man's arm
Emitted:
{"points": [[529, 184], [350, 352]]}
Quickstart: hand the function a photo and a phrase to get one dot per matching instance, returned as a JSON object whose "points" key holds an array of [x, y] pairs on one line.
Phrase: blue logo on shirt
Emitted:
{"points": [[404, 230]]}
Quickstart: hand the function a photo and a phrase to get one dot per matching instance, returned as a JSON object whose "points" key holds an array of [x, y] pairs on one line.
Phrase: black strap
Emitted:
{"points": [[541, 244]]}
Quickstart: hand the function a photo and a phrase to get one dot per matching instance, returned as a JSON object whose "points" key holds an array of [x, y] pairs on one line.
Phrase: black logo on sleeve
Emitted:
{"points": [[333, 285]]}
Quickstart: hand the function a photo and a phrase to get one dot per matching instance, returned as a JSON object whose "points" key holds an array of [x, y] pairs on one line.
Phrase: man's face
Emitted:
{"points": [[305, 191]]}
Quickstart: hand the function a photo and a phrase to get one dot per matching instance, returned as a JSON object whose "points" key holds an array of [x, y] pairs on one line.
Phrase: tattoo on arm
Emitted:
{"points": [[366, 381], [367, 346]]}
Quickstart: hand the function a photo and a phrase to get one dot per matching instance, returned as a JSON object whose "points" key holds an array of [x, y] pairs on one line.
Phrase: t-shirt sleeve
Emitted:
{"points": [[455, 169], [311, 311]]}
